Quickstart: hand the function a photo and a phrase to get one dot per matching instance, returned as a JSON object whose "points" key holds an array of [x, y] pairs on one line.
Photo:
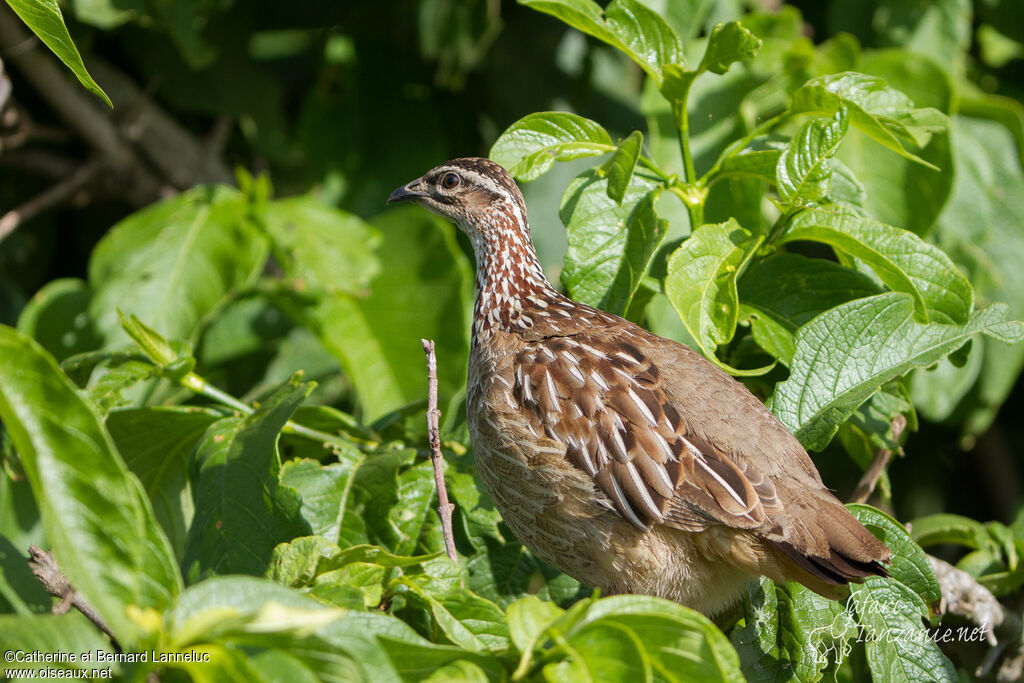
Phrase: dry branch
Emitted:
{"points": [[49, 574], [444, 507]]}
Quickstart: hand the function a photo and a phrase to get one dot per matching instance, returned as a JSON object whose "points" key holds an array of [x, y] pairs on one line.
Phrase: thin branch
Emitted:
{"points": [[869, 480], [444, 508], [49, 574], [49, 197]]}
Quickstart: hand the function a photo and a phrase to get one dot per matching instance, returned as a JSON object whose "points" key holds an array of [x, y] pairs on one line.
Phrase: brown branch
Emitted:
{"points": [[869, 480], [56, 584], [49, 197], [444, 508]]}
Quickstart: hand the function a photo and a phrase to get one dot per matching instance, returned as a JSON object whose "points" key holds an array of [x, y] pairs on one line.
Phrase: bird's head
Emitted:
{"points": [[476, 194]]}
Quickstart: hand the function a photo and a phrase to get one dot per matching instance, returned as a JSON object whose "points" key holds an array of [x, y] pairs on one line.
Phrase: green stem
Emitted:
{"points": [[761, 129], [195, 383]]}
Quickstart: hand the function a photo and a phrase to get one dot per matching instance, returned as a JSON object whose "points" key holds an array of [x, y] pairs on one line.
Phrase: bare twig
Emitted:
{"points": [[444, 508], [49, 197], [869, 480], [56, 584]]}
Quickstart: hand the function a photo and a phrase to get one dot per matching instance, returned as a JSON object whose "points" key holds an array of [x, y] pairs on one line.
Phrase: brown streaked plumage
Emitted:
{"points": [[625, 459]]}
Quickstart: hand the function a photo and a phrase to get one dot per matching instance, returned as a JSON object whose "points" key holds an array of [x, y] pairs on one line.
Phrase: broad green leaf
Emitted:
{"points": [[472, 505], [299, 562], [468, 620], [602, 651], [458, 671], [46, 21], [940, 29], [610, 244], [701, 282], [846, 353], [531, 145], [321, 247], [789, 633], [358, 585], [944, 528], [625, 24], [157, 443], [58, 634], [528, 618], [728, 43], [424, 292], [325, 491], [980, 229], [242, 512], [786, 291], [619, 168], [94, 511], [679, 643], [56, 317], [897, 644], [873, 107], [910, 566], [173, 262], [901, 259], [506, 570], [804, 169]]}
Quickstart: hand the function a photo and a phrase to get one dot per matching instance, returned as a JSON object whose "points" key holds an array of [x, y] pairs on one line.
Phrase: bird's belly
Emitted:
{"points": [[553, 509]]}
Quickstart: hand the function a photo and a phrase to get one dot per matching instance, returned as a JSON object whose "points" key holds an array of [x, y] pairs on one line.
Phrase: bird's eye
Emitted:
{"points": [[450, 181]]}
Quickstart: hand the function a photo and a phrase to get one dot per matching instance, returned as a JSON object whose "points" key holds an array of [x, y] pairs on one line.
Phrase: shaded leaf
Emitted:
{"points": [[94, 511], [804, 169], [619, 168]]}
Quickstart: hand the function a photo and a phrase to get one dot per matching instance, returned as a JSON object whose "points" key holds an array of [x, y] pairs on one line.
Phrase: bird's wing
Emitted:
{"points": [[605, 401]]}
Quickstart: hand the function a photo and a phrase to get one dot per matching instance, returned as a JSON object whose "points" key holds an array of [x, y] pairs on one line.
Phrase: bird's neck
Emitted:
{"points": [[509, 279]]}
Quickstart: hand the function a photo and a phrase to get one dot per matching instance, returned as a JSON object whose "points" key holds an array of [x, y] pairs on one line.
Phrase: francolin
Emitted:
{"points": [[622, 458]]}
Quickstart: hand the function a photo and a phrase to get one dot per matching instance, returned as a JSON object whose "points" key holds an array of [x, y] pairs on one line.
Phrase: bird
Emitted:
{"points": [[624, 459]]}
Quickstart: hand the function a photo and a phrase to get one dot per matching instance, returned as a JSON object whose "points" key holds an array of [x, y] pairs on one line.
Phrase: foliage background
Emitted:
{"points": [[335, 105]]}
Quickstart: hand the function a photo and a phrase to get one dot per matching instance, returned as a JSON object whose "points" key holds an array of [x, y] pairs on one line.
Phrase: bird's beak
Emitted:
{"points": [[408, 192]]}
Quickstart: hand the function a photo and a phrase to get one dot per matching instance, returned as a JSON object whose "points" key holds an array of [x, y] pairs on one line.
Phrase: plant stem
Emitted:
{"points": [[444, 507], [195, 383]]}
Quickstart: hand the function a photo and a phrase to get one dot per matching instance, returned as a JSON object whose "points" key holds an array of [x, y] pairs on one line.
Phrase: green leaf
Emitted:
{"points": [[944, 528], [980, 229], [531, 145], [873, 107], [910, 566], [625, 24], [846, 353], [426, 292], [321, 247], [940, 29], [619, 168], [897, 644], [789, 633], [680, 644], [528, 618], [325, 492], [57, 634], [804, 169], [56, 318], [728, 43], [701, 282], [468, 620], [174, 262], [46, 21], [610, 244], [299, 562], [157, 443], [786, 291], [506, 570], [901, 259], [94, 511], [242, 512]]}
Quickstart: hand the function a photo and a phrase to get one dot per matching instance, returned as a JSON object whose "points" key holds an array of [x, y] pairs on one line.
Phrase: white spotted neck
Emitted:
{"points": [[510, 281]]}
